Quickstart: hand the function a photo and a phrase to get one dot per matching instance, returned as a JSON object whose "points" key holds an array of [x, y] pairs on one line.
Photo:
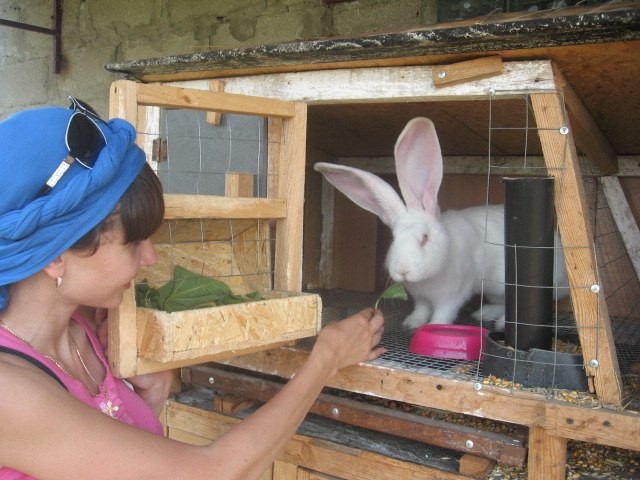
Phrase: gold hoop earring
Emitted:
{"points": [[58, 282]]}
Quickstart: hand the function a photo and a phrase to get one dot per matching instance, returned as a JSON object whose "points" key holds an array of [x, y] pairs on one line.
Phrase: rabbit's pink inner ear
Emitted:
{"points": [[419, 165], [365, 190]]}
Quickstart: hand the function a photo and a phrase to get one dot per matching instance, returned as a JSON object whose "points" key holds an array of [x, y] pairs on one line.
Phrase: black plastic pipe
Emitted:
{"points": [[529, 235]]}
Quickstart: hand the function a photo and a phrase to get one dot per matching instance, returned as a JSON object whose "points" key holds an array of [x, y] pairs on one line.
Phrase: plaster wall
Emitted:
{"points": [[98, 32]]}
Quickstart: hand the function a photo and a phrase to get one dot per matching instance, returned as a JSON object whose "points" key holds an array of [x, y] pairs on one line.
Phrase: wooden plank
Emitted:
{"points": [[496, 403], [590, 308], [290, 185], [387, 84], [323, 457], [202, 230], [238, 184], [122, 100], [355, 239], [285, 471], [214, 118], [623, 216], [175, 97], [547, 456], [588, 137], [628, 165], [507, 450], [518, 31], [328, 265], [145, 365], [467, 71], [619, 429], [122, 320], [179, 206]]}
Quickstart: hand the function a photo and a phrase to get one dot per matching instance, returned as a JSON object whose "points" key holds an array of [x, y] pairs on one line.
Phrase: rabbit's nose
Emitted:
{"points": [[401, 274]]}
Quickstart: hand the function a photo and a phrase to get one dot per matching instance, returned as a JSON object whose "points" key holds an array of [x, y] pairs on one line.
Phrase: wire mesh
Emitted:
{"points": [[511, 127], [194, 157]]}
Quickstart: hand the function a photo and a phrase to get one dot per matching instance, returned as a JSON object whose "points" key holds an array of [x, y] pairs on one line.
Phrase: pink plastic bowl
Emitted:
{"points": [[458, 342]]}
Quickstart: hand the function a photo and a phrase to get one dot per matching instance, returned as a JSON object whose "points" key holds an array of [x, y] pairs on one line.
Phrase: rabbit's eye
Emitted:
{"points": [[424, 239]]}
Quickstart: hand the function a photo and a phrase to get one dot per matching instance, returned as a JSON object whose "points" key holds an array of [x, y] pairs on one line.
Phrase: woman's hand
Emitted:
{"points": [[352, 340]]}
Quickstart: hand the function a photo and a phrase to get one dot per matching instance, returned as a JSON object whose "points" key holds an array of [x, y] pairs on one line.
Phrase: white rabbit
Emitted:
{"points": [[440, 259]]}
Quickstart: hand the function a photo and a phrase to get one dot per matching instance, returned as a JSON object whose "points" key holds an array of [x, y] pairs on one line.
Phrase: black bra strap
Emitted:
{"points": [[34, 361]]}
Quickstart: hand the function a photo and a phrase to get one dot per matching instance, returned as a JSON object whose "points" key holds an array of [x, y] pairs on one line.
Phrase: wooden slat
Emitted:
{"points": [[605, 427], [290, 178], [324, 457], [466, 71], [214, 118], [285, 471], [238, 184], [389, 84], [203, 230], [122, 351], [587, 135], [505, 449], [590, 308], [547, 456], [145, 365], [179, 206], [175, 97], [623, 216], [492, 402]]}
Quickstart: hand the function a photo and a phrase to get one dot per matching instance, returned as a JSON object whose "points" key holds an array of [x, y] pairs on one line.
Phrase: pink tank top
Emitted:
{"points": [[116, 398]]}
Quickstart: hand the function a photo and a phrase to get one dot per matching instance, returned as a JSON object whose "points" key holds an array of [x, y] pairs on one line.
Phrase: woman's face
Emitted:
{"points": [[100, 280]]}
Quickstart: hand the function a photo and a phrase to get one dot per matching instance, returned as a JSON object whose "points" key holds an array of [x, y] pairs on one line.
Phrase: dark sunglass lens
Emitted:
{"points": [[84, 139]]}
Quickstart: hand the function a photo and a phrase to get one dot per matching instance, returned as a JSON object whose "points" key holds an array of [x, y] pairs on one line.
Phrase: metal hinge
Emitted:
{"points": [[159, 150]]}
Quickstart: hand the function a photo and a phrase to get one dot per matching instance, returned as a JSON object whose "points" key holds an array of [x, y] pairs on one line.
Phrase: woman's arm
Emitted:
{"points": [[50, 435]]}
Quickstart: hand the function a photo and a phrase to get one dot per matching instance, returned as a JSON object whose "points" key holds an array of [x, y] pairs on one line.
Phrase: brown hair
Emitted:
{"points": [[140, 212]]}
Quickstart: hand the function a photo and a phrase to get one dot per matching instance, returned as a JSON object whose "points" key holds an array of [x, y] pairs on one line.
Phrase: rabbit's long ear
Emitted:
{"points": [[419, 165], [365, 190]]}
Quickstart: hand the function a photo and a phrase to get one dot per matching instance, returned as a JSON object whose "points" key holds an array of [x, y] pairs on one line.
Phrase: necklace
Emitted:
{"points": [[54, 360], [82, 362]]}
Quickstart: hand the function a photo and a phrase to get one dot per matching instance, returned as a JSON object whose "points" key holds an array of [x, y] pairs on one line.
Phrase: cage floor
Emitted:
{"points": [[341, 303]]}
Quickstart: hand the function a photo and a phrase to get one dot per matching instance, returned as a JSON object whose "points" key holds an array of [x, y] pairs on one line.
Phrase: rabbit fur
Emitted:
{"points": [[441, 259]]}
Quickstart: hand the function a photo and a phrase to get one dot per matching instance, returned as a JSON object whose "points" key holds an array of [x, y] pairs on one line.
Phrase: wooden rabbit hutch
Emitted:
{"points": [[555, 92]]}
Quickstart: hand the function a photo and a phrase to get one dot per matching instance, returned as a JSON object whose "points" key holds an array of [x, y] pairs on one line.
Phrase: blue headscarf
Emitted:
{"points": [[35, 231]]}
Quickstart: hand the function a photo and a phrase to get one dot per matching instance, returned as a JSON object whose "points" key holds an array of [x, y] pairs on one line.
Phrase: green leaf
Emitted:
{"points": [[146, 296], [187, 291], [395, 290]]}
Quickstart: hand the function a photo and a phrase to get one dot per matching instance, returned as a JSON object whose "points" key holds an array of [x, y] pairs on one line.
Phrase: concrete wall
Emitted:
{"points": [[98, 32]]}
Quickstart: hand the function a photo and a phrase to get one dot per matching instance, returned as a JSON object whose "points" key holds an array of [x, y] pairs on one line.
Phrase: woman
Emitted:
{"points": [[78, 204]]}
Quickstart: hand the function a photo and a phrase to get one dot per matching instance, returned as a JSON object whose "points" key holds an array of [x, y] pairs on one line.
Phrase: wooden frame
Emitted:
{"points": [[551, 422], [137, 336], [554, 105], [550, 94]]}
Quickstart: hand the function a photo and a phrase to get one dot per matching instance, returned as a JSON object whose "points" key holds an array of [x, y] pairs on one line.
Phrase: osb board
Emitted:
{"points": [[201, 333], [241, 259]]}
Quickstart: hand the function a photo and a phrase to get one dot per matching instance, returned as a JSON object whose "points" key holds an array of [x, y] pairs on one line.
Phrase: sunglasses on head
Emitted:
{"points": [[84, 140]]}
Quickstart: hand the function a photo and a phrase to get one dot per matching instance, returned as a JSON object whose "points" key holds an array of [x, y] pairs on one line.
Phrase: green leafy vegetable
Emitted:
{"points": [[396, 290], [188, 291]]}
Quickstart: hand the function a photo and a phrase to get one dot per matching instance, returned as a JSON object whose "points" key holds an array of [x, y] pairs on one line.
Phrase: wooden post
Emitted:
{"points": [[589, 305], [547, 456], [290, 181], [123, 347]]}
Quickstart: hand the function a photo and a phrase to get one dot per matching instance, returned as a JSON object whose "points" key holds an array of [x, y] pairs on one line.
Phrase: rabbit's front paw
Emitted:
{"points": [[418, 317], [413, 322]]}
